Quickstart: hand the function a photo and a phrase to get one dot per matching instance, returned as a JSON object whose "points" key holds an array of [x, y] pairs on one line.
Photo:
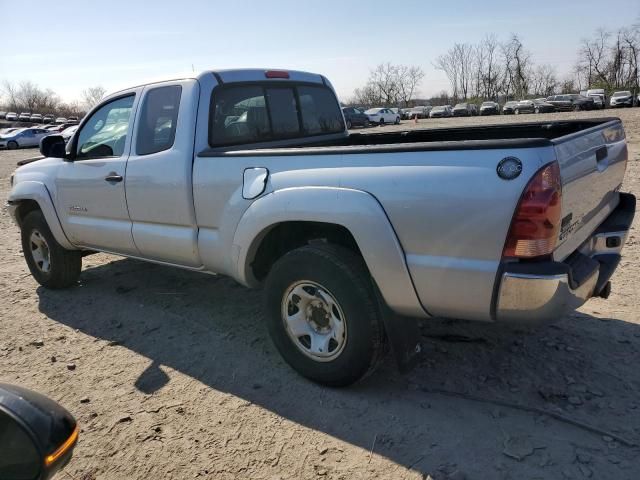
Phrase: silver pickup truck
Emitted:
{"points": [[252, 174]]}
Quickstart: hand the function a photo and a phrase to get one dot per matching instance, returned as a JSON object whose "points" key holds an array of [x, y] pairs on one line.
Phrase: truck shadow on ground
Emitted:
{"points": [[450, 411]]}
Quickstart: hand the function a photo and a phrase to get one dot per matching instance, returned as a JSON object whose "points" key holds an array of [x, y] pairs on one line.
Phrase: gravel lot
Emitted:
{"points": [[171, 375]]}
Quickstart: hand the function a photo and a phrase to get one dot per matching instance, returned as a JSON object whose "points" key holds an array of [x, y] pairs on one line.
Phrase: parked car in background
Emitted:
{"points": [[621, 99], [24, 117], [11, 116], [60, 120], [420, 111], [508, 107], [382, 116], [465, 110], [48, 118], [23, 137], [2, 115], [404, 113], [36, 118], [5, 131], [68, 132], [73, 119], [533, 106], [355, 118], [440, 112], [571, 102], [599, 97], [489, 108]]}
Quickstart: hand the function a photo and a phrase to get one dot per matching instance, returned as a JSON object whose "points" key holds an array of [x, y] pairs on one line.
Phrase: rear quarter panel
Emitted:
{"points": [[449, 210]]}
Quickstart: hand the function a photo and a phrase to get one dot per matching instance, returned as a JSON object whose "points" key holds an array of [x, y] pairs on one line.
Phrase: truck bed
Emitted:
{"points": [[521, 135]]}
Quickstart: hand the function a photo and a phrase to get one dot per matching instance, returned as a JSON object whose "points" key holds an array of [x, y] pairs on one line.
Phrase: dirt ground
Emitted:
{"points": [[171, 375]]}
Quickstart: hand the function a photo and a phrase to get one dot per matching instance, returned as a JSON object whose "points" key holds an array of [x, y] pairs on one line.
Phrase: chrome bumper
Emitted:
{"points": [[538, 298], [538, 292]]}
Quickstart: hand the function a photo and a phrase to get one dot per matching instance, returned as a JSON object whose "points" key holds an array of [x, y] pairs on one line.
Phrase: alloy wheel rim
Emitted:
{"points": [[314, 320], [40, 251]]}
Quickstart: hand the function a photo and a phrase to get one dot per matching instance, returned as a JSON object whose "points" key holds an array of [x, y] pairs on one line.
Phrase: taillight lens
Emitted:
{"points": [[536, 223]]}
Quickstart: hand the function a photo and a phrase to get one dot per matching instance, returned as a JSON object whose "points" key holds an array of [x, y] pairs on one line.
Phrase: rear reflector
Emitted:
{"points": [[276, 74], [536, 223]]}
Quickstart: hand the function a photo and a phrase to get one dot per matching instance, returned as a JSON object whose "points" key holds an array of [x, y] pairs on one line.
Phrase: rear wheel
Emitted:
{"points": [[366, 124], [51, 265], [397, 120], [576, 108], [349, 125], [382, 122], [323, 314], [12, 145]]}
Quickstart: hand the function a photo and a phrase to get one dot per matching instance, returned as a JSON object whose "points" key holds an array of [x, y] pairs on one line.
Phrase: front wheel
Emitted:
{"points": [[397, 120], [366, 124], [51, 265], [382, 122], [349, 125], [323, 314]]}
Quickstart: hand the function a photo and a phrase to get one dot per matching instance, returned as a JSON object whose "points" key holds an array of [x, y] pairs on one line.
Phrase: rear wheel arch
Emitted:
{"points": [[282, 238], [350, 218]]}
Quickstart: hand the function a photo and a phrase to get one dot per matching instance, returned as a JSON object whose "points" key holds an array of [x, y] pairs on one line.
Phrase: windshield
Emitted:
{"points": [[461, 105], [372, 111], [439, 109], [622, 94]]}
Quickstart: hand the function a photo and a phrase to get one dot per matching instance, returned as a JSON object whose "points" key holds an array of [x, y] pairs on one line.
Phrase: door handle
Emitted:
{"points": [[113, 178]]}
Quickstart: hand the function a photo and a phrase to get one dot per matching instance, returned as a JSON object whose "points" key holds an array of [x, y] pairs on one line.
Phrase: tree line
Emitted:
{"points": [[28, 97], [505, 70]]}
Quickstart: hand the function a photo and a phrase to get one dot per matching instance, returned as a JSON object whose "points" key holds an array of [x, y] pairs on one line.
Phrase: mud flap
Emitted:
{"points": [[403, 334]]}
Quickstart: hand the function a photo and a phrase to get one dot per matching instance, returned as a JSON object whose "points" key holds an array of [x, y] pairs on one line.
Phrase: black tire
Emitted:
{"points": [[382, 122], [576, 108], [366, 124], [397, 122], [64, 265], [344, 276], [349, 125], [12, 145]]}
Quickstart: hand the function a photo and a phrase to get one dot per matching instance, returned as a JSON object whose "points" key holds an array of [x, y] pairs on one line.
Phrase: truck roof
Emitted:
{"points": [[238, 75]]}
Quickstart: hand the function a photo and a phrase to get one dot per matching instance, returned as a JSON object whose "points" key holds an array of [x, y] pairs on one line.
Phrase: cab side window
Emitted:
{"points": [[158, 118], [105, 134]]}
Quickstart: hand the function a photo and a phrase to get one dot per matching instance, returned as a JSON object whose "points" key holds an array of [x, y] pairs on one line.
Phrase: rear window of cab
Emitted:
{"points": [[252, 113]]}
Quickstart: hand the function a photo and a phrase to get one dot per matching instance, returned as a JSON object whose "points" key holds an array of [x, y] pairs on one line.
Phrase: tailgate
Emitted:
{"points": [[592, 166]]}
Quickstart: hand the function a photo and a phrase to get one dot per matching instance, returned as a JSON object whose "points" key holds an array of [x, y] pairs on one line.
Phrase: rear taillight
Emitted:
{"points": [[536, 223]]}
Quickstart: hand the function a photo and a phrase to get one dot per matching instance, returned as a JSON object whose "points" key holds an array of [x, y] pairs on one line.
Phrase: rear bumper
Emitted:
{"points": [[533, 293]]}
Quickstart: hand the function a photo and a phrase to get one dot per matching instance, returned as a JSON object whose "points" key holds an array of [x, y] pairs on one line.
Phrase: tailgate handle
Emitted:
{"points": [[601, 153]]}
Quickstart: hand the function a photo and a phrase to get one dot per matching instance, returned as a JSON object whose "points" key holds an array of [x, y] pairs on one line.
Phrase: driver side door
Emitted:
{"points": [[90, 187]]}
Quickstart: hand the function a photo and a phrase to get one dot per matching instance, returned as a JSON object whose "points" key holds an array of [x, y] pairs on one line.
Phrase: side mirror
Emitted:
{"points": [[52, 146], [37, 436]]}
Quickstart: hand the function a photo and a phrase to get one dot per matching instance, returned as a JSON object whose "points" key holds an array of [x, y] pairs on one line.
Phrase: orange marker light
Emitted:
{"points": [[64, 448]]}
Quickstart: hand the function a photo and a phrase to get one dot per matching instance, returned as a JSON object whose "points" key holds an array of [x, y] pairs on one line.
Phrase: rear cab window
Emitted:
{"points": [[261, 112], [158, 119]]}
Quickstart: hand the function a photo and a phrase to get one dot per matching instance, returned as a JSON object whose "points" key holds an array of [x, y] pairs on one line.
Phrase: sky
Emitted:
{"points": [[70, 45]]}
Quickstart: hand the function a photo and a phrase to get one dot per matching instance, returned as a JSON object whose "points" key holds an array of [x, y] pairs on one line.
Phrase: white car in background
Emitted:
{"points": [[382, 116], [23, 137]]}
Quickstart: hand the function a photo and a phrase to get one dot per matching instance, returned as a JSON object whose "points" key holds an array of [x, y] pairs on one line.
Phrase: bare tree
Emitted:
{"points": [[458, 66], [91, 96], [408, 77], [389, 85], [543, 80]]}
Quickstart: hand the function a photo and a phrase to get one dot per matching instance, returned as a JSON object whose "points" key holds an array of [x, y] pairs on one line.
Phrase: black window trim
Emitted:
{"points": [[264, 85], [75, 138], [175, 127]]}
